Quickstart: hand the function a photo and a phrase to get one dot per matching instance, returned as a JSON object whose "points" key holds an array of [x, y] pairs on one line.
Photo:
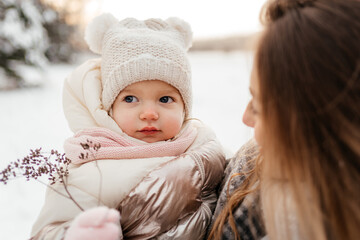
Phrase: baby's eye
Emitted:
{"points": [[130, 99], [166, 99]]}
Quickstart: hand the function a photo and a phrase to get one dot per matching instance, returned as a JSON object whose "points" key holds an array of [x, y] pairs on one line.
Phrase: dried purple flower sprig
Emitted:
{"points": [[35, 165], [54, 166], [89, 147]]}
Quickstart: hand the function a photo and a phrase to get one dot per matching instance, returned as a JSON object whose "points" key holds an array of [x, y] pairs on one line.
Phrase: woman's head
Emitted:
{"points": [[307, 75], [306, 114]]}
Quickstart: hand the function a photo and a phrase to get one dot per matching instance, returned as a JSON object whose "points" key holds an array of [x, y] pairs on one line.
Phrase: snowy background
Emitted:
{"points": [[32, 118]]}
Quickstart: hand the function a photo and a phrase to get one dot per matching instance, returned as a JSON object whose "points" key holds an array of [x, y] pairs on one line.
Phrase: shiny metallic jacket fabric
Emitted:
{"points": [[176, 200]]}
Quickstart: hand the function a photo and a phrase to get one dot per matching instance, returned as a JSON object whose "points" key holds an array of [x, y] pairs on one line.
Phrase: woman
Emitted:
{"points": [[305, 111]]}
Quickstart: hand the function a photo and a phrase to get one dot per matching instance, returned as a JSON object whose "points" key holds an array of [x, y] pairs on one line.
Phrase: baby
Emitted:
{"points": [[152, 164]]}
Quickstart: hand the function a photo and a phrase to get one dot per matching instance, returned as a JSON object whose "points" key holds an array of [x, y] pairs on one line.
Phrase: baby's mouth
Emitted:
{"points": [[149, 130]]}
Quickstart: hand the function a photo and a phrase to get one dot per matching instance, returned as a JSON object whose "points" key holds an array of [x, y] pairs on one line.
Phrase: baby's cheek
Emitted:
{"points": [[126, 124], [128, 128], [173, 126]]}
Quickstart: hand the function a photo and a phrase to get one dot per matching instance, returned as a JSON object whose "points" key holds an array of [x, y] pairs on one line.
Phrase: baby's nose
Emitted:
{"points": [[149, 114]]}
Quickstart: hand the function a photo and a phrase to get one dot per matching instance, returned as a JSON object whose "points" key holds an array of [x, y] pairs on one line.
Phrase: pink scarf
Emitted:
{"points": [[80, 148]]}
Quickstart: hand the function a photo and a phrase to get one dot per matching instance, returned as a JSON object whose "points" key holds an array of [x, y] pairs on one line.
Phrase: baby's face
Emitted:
{"points": [[150, 111]]}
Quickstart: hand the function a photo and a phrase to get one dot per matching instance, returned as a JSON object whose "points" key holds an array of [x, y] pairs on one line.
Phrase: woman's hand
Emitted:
{"points": [[100, 223]]}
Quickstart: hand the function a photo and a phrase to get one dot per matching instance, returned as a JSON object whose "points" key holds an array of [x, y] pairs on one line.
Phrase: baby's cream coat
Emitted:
{"points": [[160, 197]]}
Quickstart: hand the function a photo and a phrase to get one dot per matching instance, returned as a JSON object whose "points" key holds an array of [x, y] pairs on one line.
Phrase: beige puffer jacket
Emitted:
{"points": [[158, 198]]}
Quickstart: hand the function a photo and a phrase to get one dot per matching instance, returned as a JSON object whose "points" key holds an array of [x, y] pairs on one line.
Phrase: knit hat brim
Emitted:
{"points": [[142, 68]]}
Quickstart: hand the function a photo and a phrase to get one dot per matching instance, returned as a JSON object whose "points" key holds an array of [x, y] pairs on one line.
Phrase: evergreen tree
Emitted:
{"points": [[31, 33]]}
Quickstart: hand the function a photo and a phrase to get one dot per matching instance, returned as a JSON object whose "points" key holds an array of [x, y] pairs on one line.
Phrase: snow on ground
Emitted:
{"points": [[33, 118]]}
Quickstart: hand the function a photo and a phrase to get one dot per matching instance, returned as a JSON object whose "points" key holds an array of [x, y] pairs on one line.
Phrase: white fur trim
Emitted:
{"points": [[82, 99]]}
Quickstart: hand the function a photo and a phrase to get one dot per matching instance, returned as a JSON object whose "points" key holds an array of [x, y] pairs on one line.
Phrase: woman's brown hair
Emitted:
{"points": [[308, 68]]}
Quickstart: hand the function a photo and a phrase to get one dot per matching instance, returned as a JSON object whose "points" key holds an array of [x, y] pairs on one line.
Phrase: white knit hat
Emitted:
{"points": [[133, 51]]}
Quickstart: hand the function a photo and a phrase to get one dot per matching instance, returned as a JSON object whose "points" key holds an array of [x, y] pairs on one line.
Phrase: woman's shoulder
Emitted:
{"points": [[242, 160], [234, 176]]}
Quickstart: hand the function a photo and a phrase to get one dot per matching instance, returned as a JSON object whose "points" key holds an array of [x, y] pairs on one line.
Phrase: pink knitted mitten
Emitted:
{"points": [[100, 223]]}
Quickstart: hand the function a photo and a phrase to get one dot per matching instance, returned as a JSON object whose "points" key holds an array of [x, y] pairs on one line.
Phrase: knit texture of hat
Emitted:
{"points": [[134, 51]]}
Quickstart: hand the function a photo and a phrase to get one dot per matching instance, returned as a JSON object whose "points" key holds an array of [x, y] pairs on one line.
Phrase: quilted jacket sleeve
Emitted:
{"points": [[176, 201], [211, 161], [194, 225]]}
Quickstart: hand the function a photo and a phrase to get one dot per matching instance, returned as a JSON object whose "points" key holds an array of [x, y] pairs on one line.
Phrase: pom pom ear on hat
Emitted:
{"points": [[182, 27], [96, 30]]}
